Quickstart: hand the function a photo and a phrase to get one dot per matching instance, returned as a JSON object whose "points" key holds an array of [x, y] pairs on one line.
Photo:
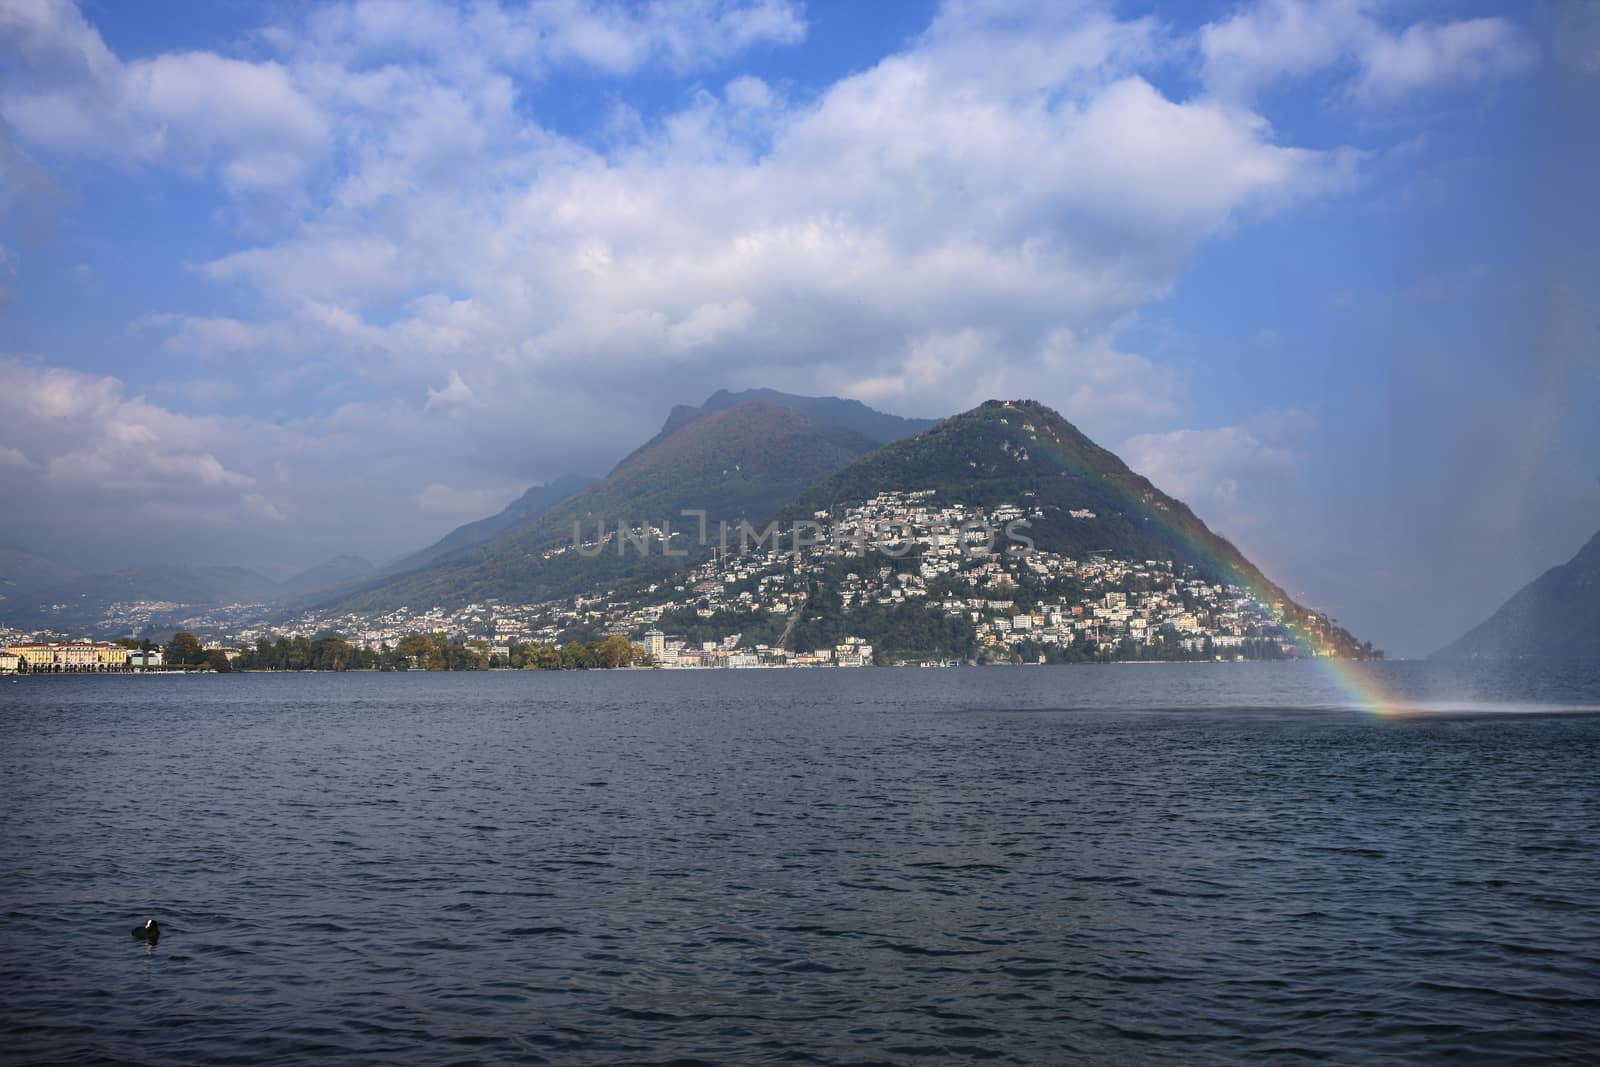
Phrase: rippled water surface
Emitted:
{"points": [[1095, 864]]}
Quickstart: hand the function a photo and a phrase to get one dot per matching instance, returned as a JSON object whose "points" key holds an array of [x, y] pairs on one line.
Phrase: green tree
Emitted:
{"points": [[184, 650], [413, 650], [615, 651]]}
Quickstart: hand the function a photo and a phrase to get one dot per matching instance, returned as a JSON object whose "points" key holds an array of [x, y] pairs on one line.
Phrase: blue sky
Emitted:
{"points": [[282, 281]]}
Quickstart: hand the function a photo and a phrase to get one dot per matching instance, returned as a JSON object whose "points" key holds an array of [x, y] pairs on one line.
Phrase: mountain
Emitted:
{"points": [[182, 585], [594, 560], [23, 572], [1554, 617], [1021, 452], [341, 570], [156, 595], [877, 426], [531, 504], [741, 462], [880, 427], [86, 603]]}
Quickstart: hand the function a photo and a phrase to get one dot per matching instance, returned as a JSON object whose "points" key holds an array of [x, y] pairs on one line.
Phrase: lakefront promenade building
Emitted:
{"points": [[76, 657]]}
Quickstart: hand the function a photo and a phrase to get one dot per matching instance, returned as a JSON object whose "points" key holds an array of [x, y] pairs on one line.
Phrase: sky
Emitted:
{"points": [[280, 281]]}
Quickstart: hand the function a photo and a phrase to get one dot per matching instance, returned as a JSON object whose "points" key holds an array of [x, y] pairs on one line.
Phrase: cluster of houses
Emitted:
{"points": [[75, 657], [966, 562], [677, 654], [892, 550]]}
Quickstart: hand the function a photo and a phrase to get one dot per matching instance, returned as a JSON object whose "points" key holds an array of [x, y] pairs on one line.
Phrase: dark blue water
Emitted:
{"points": [[1116, 864]]}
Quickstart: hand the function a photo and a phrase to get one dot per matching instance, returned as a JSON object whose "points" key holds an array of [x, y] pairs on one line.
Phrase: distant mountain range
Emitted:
{"points": [[877, 426], [748, 452], [530, 505], [742, 462], [340, 570], [756, 456], [1556, 616], [23, 572], [85, 601], [765, 456]]}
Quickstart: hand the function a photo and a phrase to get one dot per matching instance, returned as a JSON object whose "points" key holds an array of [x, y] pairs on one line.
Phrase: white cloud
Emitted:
{"points": [[822, 245], [980, 214], [461, 504], [1274, 39], [191, 110], [1291, 39], [91, 435], [54, 34], [15, 457], [614, 38], [749, 93], [207, 336], [455, 394], [1234, 477], [255, 123], [1426, 56], [103, 469]]}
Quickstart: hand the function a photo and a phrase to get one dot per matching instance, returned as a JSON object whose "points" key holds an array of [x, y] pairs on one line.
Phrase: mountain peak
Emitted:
{"points": [[1556, 616], [1082, 500], [880, 427], [738, 462]]}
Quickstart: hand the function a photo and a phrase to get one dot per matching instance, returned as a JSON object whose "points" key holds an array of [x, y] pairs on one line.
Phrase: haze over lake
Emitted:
{"points": [[1198, 863]]}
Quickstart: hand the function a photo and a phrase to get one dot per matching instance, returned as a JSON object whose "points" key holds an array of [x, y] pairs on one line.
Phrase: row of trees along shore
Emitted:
{"points": [[432, 652]]}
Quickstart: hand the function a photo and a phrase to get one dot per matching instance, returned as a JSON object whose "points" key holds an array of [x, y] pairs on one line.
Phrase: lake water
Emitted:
{"points": [[1196, 863]]}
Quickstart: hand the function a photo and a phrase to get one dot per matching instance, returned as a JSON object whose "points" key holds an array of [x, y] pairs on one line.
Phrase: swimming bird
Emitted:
{"points": [[148, 932]]}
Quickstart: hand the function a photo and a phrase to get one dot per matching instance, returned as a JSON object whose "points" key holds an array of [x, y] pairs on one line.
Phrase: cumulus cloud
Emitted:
{"points": [[91, 435], [938, 200], [1272, 40], [1426, 56], [261, 124], [117, 475], [456, 394], [207, 336], [980, 213], [1233, 476], [244, 120], [611, 37]]}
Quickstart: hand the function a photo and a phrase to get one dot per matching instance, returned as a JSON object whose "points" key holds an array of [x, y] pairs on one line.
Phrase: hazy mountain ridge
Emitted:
{"points": [[171, 582], [84, 602], [530, 505], [23, 572], [1556, 616], [878, 426], [336, 571], [742, 462]]}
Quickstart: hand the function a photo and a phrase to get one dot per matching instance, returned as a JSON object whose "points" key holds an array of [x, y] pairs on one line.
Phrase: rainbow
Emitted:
{"points": [[1359, 685]]}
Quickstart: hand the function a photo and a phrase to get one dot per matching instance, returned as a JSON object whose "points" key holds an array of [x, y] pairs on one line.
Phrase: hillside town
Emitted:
{"points": [[896, 556]]}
